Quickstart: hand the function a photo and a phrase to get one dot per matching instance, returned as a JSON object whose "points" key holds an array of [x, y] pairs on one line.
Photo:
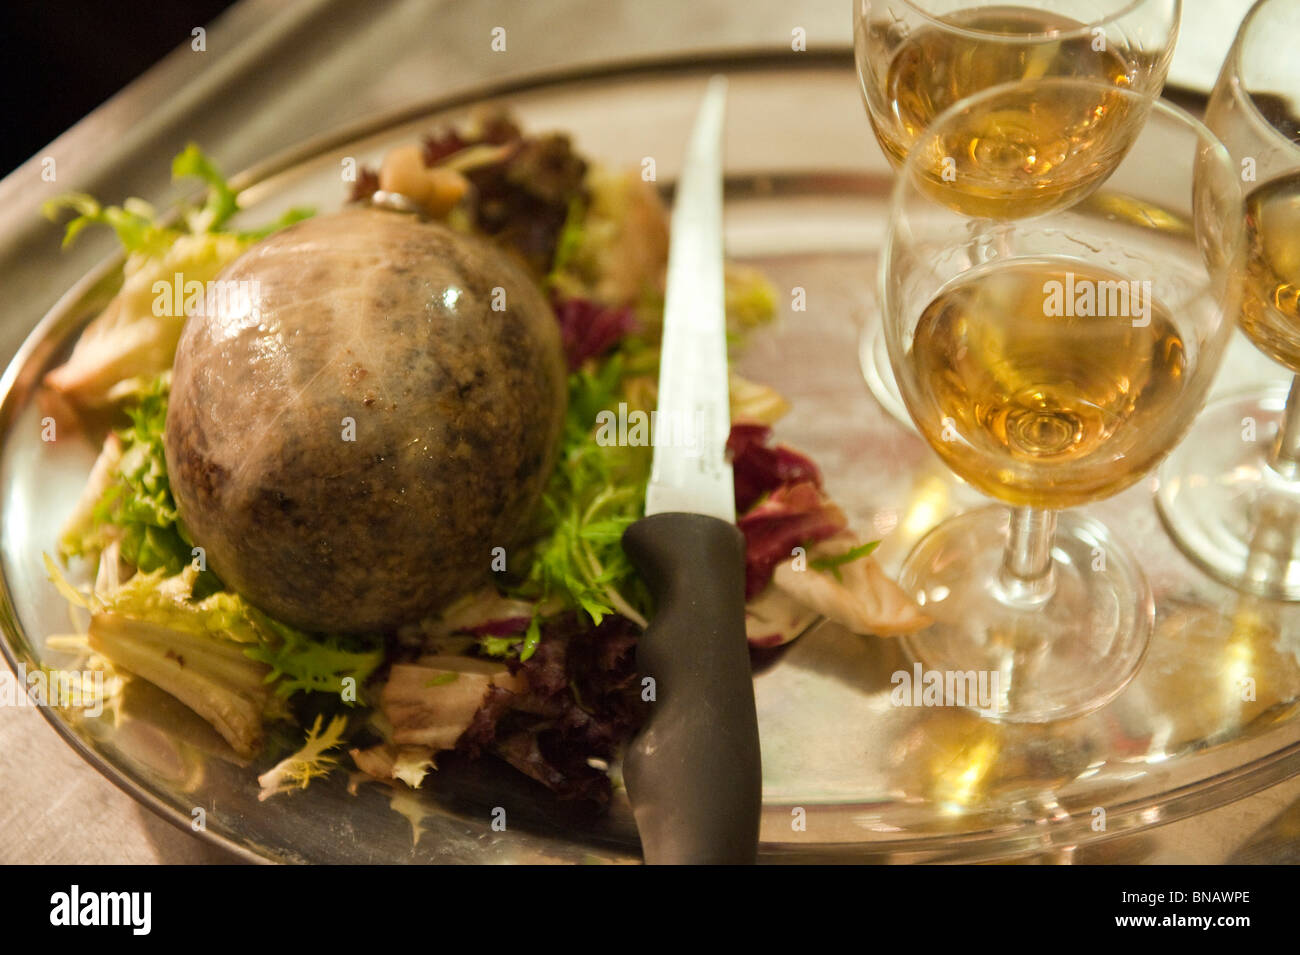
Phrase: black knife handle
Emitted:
{"points": [[693, 774]]}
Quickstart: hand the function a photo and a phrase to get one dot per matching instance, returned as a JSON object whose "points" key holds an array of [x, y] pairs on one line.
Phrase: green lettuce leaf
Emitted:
{"points": [[137, 508], [315, 663], [296, 660], [596, 492]]}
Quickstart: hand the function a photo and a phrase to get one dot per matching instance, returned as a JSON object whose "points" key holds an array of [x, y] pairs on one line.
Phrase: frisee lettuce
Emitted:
{"points": [[313, 761], [297, 661], [169, 601], [222, 201], [594, 494], [316, 662], [139, 227], [137, 508]]}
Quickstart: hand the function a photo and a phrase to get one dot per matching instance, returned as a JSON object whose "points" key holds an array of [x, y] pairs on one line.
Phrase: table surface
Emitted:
{"points": [[275, 73]]}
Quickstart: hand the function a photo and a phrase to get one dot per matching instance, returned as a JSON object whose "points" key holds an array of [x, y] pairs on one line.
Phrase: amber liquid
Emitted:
{"points": [[1038, 398], [1019, 155], [1270, 312]]}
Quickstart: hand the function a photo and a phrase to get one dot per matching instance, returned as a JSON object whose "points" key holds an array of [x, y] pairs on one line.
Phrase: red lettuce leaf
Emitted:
{"points": [[583, 701], [791, 516], [503, 627], [760, 467], [589, 329]]}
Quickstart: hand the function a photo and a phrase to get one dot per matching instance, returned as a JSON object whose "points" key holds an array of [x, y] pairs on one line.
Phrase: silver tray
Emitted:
{"points": [[806, 201]]}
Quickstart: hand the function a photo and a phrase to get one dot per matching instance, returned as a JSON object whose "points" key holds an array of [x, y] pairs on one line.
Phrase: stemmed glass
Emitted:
{"points": [[1230, 496], [916, 58], [1051, 366]]}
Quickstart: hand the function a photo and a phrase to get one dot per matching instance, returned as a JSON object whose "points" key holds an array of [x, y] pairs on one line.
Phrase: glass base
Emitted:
{"points": [[873, 358], [1046, 658], [1228, 511]]}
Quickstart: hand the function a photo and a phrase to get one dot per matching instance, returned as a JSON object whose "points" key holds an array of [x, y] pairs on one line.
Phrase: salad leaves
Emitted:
{"points": [[834, 562], [139, 227], [595, 493], [314, 663], [134, 339], [136, 507], [313, 761]]}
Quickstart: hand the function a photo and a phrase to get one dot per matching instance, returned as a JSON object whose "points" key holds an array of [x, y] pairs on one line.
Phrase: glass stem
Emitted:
{"points": [[1284, 456], [1026, 576]]}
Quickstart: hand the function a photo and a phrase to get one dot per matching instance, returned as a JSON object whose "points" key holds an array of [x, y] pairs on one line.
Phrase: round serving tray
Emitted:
{"points": [[1211, 717]]}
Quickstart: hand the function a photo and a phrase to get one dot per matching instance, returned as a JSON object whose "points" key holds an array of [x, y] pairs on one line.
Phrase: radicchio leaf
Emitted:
{"points": [[590, 329], [793, 515], [760, 467], [504, 627], [582, 701]]}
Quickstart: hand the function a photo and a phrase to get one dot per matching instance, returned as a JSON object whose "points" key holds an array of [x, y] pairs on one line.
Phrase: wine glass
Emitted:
{"points": [[1230, 496], [916, 58], [1051, 366]]}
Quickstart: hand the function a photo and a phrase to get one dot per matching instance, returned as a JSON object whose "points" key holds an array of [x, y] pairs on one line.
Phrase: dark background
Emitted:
{"points": [[59, 59]]}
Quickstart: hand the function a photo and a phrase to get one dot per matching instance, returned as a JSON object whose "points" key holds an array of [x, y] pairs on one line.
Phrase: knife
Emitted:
{"points": [[692, 772]]}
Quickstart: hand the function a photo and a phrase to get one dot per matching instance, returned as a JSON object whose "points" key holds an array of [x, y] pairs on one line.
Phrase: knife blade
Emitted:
{"points": [[693, 772], [690, 472]]}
